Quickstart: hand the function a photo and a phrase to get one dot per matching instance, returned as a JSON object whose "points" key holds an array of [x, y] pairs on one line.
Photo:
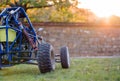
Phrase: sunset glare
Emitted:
{"points": [[102, 8]]}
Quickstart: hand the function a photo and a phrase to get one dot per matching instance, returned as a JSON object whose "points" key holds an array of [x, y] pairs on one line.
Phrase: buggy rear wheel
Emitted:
{"points": [[64, 56], [45, 58]]}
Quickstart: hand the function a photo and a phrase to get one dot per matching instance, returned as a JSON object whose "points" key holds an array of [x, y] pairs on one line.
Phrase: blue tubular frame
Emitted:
{"points": [[0, 56], [9, 47]]}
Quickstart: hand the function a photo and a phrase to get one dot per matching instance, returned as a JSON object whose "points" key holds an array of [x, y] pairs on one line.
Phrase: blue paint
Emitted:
{"points": [[11, 20]]}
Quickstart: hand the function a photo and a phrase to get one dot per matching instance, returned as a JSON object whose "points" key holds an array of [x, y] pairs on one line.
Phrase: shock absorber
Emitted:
{"points": [[30, 40]]}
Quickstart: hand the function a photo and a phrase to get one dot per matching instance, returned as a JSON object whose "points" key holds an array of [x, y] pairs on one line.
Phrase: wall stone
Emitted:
{"points": [[84, 41]]}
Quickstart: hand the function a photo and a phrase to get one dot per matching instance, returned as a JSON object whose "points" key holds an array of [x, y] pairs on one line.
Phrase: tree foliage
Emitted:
{"points": [[114, 19], [45, 10], [50, 15], [30, 4], [50, 10]]}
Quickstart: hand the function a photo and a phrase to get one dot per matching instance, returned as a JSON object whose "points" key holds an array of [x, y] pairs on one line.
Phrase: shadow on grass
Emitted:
{"points": [[24, 69], [20, 70]]}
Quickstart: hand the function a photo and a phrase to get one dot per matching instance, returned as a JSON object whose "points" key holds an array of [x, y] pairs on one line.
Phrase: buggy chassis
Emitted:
{"points": [[20, 44]]}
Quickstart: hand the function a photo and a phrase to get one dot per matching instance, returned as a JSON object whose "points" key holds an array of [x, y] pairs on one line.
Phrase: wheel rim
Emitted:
{"points": [[52, 58]]}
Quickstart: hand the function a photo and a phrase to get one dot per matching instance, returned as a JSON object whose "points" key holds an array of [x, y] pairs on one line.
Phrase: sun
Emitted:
{"points": [[102, 8]]}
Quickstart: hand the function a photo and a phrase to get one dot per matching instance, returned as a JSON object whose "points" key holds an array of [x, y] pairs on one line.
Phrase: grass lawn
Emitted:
{"points": [[82, 69]]}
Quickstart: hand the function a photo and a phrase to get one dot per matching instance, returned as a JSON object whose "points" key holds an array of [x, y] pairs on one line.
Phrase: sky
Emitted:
{"points": [[102, 8]]}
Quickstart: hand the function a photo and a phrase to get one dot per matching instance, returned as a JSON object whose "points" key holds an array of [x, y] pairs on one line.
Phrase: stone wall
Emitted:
{"points": [[84, 41]]}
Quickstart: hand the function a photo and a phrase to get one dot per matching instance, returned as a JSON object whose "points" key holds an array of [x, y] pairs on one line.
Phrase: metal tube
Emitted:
{"points": [[0, 61], [7, 44]]}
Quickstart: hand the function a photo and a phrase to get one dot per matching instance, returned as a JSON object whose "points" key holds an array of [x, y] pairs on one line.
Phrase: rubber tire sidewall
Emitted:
{"points": [[64, 56], [44, 58]]}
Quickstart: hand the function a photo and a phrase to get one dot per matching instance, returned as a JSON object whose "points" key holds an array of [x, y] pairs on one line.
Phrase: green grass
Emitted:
{"points": [[83, 69]]}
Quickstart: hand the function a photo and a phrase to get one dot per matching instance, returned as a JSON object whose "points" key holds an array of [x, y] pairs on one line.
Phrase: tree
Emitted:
{"points": [[50, 10], [30, 4], [114, 19]]}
